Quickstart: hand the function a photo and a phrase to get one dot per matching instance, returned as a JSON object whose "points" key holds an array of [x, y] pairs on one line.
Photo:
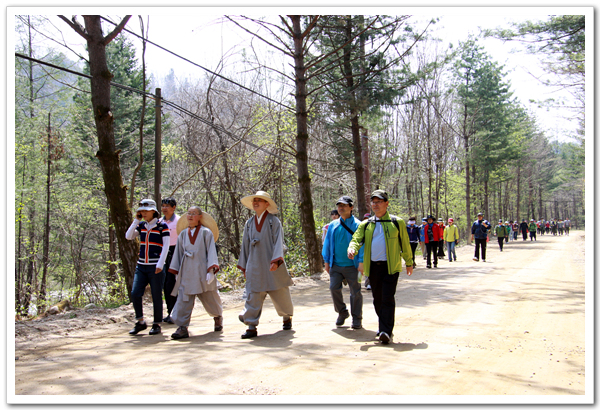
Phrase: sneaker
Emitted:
{"points": [[483, 260], [180, 333], [384, 338], [356, 326], [368, 287], [476, 259], [342, 318], [428, 266], [449, 260], [155, 329], [168, 320], [139, 326], [287, 324]]}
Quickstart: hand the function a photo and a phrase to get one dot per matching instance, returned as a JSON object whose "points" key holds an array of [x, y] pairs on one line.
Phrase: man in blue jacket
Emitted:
{"points": [[479, 230], [340, 267]]}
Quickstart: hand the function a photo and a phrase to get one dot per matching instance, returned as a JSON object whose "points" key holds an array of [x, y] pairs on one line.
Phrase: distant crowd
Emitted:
{"points": [[178, 257]]}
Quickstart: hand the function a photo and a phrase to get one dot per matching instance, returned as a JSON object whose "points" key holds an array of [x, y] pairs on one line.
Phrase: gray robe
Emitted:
{"points": [[259, 249], [192, 262]]}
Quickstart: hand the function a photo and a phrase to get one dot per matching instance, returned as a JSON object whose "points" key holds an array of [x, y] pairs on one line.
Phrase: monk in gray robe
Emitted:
{"points": [[195, 263], [261, 260]]}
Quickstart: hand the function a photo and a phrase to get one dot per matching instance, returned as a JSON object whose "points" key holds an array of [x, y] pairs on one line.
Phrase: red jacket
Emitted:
{"points": [[435, 229]]}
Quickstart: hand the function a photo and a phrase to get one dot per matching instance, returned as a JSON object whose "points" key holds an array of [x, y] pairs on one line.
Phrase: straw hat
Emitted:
{"points": [[247, 201], [206, 220]]}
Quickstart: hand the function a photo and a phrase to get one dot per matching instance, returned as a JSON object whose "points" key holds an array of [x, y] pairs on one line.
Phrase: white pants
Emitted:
{"points": [[282, 301], [182, 312]]}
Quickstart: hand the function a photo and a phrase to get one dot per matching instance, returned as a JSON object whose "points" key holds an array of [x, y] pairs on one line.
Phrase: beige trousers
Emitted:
{"points": [[282, 301], [182, 312]]}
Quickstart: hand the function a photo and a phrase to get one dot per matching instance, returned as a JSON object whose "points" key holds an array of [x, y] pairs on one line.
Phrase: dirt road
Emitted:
{"points": [[512, 326]]}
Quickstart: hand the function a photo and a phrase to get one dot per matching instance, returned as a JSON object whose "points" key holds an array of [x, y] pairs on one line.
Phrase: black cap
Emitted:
{"points": [[430, 217], [345, 200], [381, 194]]}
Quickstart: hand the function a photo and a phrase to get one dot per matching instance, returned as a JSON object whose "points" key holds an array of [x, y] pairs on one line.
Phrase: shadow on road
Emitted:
{"points": [[398, 347]]}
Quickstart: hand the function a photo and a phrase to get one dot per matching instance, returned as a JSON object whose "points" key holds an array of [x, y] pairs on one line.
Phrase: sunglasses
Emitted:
{"points": [[145, 204]]}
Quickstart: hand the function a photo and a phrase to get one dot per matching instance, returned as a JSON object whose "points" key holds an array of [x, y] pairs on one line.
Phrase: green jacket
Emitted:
{"points": [[532, 227], [364, 234], [501, 231]]}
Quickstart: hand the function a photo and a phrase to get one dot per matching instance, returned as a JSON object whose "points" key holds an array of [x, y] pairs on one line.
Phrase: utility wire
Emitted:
{"points": [[204, 68], [169, 103]]}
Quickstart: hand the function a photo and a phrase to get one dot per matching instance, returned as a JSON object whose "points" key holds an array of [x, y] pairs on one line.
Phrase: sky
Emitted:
{"points": [[202, 36]]}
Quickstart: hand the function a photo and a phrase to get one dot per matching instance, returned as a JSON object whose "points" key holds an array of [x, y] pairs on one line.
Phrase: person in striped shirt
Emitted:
{"points": [[154, 247]]}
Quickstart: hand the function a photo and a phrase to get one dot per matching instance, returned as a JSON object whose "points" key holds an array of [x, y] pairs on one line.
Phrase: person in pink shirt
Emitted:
{"points": [[170, 218]]}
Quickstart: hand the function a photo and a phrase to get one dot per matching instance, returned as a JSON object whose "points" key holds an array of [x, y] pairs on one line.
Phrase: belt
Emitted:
{"points": [[378, 262]]}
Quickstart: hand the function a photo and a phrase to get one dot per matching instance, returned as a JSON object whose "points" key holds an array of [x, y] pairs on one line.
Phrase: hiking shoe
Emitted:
{"points": [[476, 259], [250, 333], [384, 338], [218, 323], [342, 318], [168, 320], [180, 333], [368, 287], [428, 266], [483, 260], [287, 324], [356, 326], [138, 328], [155, 329]]}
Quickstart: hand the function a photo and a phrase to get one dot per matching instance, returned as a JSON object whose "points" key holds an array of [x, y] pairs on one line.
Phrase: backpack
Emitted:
{"points": [[394, 220]]}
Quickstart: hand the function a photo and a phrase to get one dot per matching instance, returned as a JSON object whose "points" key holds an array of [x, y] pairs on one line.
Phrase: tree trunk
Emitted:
{"points": [[518, 193], [354, 124], [116, 192], [42, 297], [315, 264]]}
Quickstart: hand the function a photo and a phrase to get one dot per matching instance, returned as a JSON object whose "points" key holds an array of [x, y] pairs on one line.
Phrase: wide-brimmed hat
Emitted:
{"points": [[430, 217], [206, 220], [147, 205], [247, 201]]}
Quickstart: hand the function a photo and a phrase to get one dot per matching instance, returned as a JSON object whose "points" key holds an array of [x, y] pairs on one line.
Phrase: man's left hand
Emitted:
{"points": [[273, 267], [158, 270], [409, 270], [361, 267]]}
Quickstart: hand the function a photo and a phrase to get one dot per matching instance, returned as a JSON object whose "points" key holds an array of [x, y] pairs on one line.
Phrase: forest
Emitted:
{"points": [[376, 103]]}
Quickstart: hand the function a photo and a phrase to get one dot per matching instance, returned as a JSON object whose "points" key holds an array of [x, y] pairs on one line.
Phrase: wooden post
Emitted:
{"points": [[157, 147]]}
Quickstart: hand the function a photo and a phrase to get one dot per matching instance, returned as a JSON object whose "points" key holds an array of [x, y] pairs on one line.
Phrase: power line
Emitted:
{"points": [[169, 103], [204, 68]]}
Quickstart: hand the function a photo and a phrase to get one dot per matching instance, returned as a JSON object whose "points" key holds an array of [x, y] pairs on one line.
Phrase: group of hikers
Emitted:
{"points": [[178, 256]]}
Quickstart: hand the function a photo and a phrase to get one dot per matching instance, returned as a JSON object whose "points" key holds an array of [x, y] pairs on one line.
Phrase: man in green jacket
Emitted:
{"points": [[500, 232], [386, 243], [532, 230]]}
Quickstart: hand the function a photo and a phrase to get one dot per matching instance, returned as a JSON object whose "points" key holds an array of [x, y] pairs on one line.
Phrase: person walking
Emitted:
{"points": [[422, 238], [432, 237], [479, 231], [440, 244], [154, 247], [333, 215], [515, 229], [508, 231], [339, 267], [567, 226], [532, 230], [195, 264], [261, 261], [561, 226], [451, 239], [414, 234], [524, 228], [386, 243], [168, 208], [500, 233]]}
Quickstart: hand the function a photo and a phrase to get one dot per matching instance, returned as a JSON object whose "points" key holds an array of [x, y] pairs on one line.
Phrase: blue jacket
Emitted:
{"points": [[414, 232], [478, 230], [422, 232], [329, 244]]}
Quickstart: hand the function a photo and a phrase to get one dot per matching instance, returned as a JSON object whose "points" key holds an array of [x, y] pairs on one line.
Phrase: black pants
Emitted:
{"points": [[170, 280], [383, 286], [532, 236], [440, 249], [480, 243], [413, 247], [432, 249], [500, 242], [524, 235]]}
